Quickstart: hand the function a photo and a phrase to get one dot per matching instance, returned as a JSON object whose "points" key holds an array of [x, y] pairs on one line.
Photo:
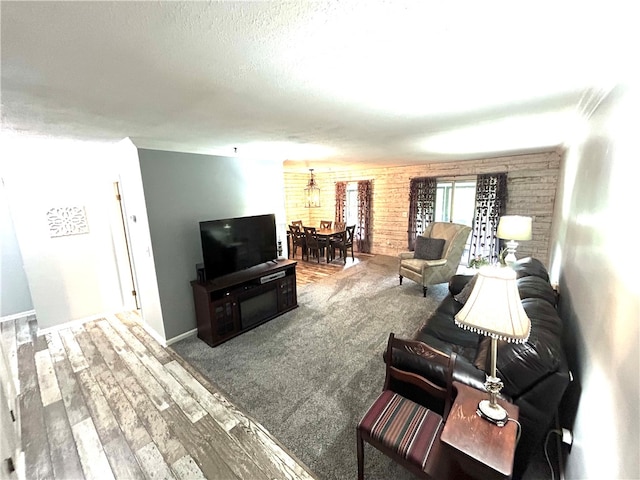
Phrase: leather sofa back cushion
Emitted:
{"points": [[428, 248], [441, 326], [530, 266], [521, 365], [536, 287]]}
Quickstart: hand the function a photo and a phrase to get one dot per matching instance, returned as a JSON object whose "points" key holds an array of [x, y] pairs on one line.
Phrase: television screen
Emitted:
{"points": [[233, 244]]}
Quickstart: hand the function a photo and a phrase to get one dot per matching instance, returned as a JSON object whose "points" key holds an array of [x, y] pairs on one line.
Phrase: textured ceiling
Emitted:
{"points": [[359, 81]]}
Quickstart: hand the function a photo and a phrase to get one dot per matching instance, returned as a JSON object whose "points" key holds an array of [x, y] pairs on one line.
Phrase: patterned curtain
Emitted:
{"points": [[363, 230], [341, 200], [491, 202], [422, 201]]}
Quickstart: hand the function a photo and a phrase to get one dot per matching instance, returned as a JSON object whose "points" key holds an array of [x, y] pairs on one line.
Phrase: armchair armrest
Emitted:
{"points": [[405, 255], [434, 263]]}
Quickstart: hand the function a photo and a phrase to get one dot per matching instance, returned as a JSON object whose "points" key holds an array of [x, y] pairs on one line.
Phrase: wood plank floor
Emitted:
{"points": [[105, 400], [310, 271]]}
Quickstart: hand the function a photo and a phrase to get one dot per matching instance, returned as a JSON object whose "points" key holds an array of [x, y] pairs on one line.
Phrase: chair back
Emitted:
{"points": [[454, 234], [447, 363], [325, 224], [350, 234], [339, 225], [310, 235], [297, 222], [295, 230]]}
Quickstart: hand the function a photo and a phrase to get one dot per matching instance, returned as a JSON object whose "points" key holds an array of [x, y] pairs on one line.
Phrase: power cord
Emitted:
{"points": [[546, 452], [519, 428]]}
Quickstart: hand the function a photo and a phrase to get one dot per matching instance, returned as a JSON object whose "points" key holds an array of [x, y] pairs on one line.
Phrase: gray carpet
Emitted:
{"points": [[309, 375]]}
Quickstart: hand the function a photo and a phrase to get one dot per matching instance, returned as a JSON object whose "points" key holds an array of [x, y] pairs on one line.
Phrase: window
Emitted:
{"points": [[455, 202], [351, 207]]}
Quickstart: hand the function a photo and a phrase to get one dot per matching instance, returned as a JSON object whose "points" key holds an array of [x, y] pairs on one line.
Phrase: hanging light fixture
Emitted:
{"points": [[311, 193]]}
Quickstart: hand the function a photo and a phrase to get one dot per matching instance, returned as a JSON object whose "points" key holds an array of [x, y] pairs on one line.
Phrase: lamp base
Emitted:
{"points": [[493, 412], [510, 258]]}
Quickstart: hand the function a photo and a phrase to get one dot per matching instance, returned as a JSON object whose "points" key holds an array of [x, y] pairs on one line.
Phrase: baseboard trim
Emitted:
{"points": [[73, 323], [182, 336], [15, 316], [161, 340]]}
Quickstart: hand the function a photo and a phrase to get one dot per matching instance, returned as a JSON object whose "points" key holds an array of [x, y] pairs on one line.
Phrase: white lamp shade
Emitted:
{"points": [[494, 307], [514, 227]]}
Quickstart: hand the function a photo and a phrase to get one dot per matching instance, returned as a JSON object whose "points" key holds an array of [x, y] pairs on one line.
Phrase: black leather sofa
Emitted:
{"points": [[535, 373]]}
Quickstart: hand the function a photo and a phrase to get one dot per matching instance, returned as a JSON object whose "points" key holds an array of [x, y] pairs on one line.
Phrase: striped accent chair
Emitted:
{"points": [[400, 428]]}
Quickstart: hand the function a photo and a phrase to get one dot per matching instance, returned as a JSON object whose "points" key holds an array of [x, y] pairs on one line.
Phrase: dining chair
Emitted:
{"points": [[298, 239], [297, 222], [405, 431], [339, 225], [315, 244], [343, 242], [325, 224]]}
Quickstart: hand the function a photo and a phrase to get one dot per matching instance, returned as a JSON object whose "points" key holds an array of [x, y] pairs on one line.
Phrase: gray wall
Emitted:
{"points": [[15, 296], [596, 215], [182, 189]]}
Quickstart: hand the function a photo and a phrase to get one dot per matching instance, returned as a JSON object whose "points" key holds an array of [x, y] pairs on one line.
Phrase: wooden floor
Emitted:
{"points": [[310, 271], [104, 400]]}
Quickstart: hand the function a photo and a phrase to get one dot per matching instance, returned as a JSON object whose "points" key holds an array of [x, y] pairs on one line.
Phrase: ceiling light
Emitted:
{"points": [[312, 192]]}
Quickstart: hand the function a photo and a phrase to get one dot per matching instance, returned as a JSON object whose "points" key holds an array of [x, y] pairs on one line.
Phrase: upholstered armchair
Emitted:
{"points": [[437, 254]]}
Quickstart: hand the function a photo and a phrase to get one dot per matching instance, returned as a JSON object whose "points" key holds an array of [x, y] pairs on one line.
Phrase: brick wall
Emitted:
{"points": [[532, 181]]}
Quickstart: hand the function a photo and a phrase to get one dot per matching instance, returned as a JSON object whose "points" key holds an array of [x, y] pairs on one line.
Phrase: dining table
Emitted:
{"points": [[322, 233], [326, 234]]}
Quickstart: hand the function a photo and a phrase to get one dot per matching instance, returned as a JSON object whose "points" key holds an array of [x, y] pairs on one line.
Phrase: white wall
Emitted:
{"points": [[15, 297], [70, 277], [184, 189], [595, 257]]}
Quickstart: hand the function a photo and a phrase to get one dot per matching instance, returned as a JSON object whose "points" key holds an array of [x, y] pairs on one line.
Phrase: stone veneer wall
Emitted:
{"points": [[532, 185]]}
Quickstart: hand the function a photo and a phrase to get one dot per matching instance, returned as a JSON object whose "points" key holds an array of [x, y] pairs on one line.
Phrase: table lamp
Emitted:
{"points": [[494, 309], [512, 228]]}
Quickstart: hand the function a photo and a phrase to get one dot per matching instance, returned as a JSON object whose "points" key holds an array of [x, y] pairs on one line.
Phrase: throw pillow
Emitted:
{"points": [[464, 294], [428, 248]]}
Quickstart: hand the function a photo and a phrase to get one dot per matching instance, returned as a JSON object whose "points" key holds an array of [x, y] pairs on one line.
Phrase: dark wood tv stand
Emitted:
{"points": [[230, 305]]}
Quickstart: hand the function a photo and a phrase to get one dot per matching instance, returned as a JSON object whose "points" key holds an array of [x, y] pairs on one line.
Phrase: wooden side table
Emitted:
{"points": [[480, 448]]}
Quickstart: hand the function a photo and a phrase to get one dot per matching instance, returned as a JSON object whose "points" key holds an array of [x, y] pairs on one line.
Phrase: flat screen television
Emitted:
{"points": [[233, 244]]}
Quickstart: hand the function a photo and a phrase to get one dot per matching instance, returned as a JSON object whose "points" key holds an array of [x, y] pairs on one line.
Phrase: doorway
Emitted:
{"points": [[122, 247]]}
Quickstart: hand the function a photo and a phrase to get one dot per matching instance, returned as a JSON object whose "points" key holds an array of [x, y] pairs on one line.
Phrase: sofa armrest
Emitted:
{"points": [[405, 255], [457, 283], [463, 372]]}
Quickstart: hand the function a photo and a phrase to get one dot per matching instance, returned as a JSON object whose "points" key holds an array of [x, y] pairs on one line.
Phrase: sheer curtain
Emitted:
{"points": [[341, 201], [422, 201], [491, 201], [363, 230]]}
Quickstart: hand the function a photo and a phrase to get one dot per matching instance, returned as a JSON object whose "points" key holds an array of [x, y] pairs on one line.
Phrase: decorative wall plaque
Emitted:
{"points": [[64, 221]]}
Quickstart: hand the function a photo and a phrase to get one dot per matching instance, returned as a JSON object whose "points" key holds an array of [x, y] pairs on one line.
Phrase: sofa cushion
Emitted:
{"points": [[441, 325], [428, 248], [530, 266], [536, 287], [521, 365]]}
